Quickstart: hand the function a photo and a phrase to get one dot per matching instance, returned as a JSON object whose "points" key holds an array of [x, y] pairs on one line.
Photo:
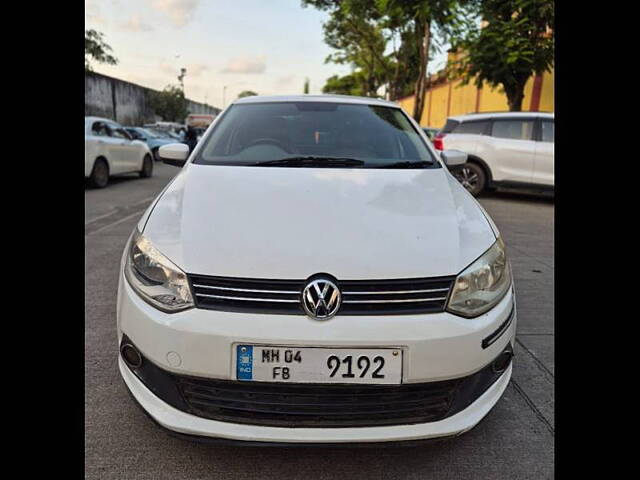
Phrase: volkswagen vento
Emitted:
{"points": [[315, 274]]}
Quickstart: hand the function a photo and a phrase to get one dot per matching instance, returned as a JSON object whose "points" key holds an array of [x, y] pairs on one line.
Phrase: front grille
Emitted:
{"points": [[301, 405], [359, 297]]}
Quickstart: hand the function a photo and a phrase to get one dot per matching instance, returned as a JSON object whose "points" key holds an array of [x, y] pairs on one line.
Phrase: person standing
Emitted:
{"points": [[191, 138]]}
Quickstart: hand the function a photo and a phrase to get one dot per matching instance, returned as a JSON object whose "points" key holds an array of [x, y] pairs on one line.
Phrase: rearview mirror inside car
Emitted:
{"points": [[175, 154]]}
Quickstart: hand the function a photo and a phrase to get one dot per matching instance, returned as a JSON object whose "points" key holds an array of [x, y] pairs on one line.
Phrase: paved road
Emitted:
{"points": [[514, 441]]}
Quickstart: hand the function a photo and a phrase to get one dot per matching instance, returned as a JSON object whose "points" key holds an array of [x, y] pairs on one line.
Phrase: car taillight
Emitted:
{"points": [[437, 141]]}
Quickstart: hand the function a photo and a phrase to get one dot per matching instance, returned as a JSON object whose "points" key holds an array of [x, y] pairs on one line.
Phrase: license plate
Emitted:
{"points": [[272, 363]]}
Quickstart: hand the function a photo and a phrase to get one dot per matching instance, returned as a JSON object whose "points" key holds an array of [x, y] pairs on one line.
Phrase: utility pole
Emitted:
{"points": [[183, 72]]}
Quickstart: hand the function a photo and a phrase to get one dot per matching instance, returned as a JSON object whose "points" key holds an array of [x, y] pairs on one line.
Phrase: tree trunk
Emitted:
{"points": [[424, 30], [515, 95]]}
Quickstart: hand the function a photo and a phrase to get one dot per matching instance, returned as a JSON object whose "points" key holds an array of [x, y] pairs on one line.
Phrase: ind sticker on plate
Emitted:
{"points": [[244, 362]]}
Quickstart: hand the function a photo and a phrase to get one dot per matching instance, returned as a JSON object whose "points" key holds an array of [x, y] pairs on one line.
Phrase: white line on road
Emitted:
{"points": [[117, 222]]}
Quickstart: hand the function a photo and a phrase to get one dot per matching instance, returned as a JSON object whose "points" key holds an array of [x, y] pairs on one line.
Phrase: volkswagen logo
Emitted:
{"points": [[321, 299]]}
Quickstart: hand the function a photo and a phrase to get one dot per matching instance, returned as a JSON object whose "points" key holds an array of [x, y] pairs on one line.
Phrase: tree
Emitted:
{"points": [[306, 86], [423, 16], [345, 85], [95, 48], [170, 104], [514, 42], [361, 30], [247, 93]]}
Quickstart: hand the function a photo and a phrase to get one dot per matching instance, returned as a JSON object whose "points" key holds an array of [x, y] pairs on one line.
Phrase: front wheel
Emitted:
{"points": [[147, 167], [472, 177]]}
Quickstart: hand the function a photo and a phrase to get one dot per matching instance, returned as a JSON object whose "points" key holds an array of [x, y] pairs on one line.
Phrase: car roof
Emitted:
{"points": [[316, 98], [487, 115], [99, 119]]}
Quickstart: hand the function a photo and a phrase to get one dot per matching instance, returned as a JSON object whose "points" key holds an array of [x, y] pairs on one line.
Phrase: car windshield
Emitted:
{"points": [[148, 133], [315, 134]]}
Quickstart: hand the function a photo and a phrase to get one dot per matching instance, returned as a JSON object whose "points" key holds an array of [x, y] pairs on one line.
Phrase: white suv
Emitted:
{"points": [[510, 149], [314, 274]]}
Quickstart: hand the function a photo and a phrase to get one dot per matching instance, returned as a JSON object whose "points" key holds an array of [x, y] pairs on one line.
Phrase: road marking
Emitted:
{"points": [[117, 216], [117, 222], [109, 213]]}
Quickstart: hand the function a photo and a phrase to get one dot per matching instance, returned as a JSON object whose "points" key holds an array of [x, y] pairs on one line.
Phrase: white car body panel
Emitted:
{"points": [[544, 163], [307, 218]]}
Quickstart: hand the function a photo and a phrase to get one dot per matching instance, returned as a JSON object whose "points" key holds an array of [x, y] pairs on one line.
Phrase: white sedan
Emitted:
{"points": [[314, 274], [110, 150]]}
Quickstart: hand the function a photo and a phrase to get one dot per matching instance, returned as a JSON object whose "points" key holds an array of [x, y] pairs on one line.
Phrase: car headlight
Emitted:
{"points": [[482, 284], [155, 278]]}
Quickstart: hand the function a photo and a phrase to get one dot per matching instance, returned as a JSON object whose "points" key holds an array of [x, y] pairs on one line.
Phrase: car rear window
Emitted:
{"points": [[474, 127], [450, 126], [513, 129], [259, 132]]}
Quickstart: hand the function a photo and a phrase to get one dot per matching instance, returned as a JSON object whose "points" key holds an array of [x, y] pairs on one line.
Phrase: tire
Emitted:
{"points": [[156, 155], [99, 174], [147, 167], [472, 177]]}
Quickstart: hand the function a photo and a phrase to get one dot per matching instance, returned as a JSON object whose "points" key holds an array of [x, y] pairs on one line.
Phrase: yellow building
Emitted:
{"points": [[446, 98]]}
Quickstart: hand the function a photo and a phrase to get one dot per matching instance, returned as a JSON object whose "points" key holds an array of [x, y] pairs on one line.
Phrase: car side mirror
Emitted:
{"points": [[175, 154], [453, 158]]}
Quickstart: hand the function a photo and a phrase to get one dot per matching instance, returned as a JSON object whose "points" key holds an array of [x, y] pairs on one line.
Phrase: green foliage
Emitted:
{"points": [[346, 85], [515, 43], [361, 31], [247, 93], [96, 49], [306, 86], [170, 104]]}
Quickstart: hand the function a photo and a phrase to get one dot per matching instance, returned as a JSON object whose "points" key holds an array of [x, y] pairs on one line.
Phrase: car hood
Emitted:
{"points": [[290, 223]]}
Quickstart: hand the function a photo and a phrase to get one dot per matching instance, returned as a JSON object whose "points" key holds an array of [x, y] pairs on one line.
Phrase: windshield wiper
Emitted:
{"points": [[405, 164], [312, 161]]}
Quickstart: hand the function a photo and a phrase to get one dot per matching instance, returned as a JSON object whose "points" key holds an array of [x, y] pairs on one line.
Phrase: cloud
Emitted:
{"points": [[92, 13], [135, 24], [245, 65], [284, 81], [180, 12]]}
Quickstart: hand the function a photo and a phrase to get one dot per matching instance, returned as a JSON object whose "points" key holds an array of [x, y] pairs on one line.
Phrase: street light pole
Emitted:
{"points": [[183, 72]]}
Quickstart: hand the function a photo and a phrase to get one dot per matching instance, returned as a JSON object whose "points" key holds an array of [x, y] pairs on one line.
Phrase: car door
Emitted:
{"points": [[129, 152], [108, 146], [511, 150], [466, 136], [543, 171]]}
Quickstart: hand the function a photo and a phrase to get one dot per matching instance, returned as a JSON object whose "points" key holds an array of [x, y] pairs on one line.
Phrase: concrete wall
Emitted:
{"points": [[449, 98], [125, 102]]}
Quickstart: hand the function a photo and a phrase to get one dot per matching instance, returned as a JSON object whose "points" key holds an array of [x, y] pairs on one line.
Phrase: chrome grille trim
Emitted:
{"points": [[397, 301], [246, 289], [247, 299], [404, 296], [391, 292]]}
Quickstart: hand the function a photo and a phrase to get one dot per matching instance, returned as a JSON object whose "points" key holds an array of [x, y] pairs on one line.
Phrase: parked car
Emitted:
{"points": [[431, 132], [510, 149], [153, 139], [110, 150], [314, 274]]}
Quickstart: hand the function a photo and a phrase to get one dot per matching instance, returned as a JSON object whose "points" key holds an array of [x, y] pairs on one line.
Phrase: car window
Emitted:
{"points": [[119, 133], [513, 129], [99, 129], [253, 133], [548, 131], [474, 127], [450, 126]]}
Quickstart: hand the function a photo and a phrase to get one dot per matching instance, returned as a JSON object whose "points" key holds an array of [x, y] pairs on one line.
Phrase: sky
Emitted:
{"points": [[267, 46]]}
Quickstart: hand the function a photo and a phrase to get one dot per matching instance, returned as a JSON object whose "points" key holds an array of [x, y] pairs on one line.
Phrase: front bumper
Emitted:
{"points": [[199, 343]]}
